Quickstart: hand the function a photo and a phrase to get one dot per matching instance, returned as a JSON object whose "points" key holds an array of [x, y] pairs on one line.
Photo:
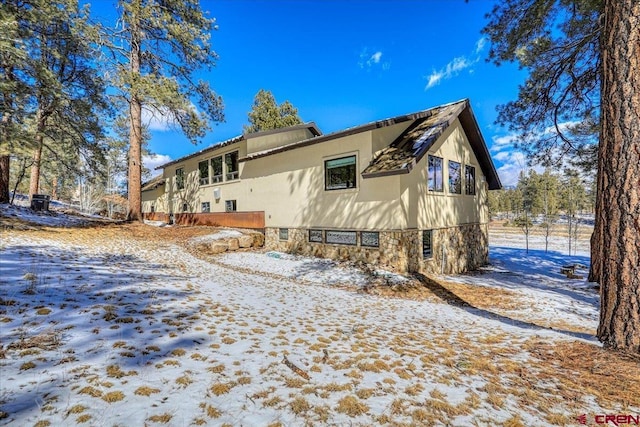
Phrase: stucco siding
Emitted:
{"points": [[428, 209]]}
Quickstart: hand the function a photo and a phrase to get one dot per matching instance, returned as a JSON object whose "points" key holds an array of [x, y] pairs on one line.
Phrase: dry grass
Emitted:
{"points": [[610, 376], [299, 405], [162, 418], [351, 406], [146, 391], [221, 388], [91, 391], [113, 396], [84, 418]]}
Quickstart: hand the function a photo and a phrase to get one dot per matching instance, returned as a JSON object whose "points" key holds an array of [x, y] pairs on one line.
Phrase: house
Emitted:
{"points": [[409, 192]]}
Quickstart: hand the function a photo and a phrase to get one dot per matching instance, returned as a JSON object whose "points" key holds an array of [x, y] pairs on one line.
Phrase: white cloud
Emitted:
{"points": [[155, 160], [480, 44], [456, 66], [369, 60]]}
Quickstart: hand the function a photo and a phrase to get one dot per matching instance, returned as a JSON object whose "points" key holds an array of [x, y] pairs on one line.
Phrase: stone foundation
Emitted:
{"points": [[462, 248]]}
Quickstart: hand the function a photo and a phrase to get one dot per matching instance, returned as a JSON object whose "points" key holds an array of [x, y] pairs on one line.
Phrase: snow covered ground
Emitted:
{"points": [[109, 330]]}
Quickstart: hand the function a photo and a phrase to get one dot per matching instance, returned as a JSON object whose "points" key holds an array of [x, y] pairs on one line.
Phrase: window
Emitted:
{"points": [[203, 168], [340, 173], [435, 174], [427, 251], [470, 180], [153, 208], [455, 179], [370, 239], [206, 207], [283, 234], [341, 237], [180, 178], [185, 207], [315, 236], [216, 169], [230, 205], [231, 161]]}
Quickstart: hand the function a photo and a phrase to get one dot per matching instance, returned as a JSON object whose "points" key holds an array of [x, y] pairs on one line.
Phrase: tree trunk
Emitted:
{"points": [[5, 163], [135, 126], [34, 183], [616, 252]]}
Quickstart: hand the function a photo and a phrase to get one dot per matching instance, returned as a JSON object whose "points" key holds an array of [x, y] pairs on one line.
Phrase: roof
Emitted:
{"points": [[311, 126], [411, 146], [408, 149], [153, 183]]}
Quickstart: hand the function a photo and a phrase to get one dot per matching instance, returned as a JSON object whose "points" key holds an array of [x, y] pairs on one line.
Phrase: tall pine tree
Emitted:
{"points": [[155, 50], [582, 56]]}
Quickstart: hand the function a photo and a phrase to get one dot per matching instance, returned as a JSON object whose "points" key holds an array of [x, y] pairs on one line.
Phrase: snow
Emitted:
{"points": [[201, 342], [222, 234]]}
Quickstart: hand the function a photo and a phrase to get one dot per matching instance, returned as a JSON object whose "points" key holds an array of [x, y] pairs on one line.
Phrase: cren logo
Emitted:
{"points": [[582, 419]]}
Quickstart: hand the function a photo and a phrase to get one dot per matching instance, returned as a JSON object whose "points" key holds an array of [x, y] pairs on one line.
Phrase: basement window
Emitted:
{"points": [[427, 247], [283, 233]]}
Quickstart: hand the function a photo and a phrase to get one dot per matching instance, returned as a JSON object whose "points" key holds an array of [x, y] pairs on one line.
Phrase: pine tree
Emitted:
{"points": [[266, 114], [155, 50], [60, 98], [582, 58]]}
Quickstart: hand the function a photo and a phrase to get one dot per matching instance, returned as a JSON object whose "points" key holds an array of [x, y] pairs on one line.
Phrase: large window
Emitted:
{"points": [[455, 177], [340, 173], [435, 174], [216, 169], [231, 161], [180, 178], [203, 168], [470, 180]]}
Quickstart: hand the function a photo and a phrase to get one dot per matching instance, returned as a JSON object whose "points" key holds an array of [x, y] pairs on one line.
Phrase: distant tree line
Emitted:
{"points": [[540, 199]]}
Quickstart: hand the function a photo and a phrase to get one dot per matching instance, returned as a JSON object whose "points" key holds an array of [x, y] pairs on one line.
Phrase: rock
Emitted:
{"points": [[245, 241], [233, 244], [219, 247], [258, 239]]}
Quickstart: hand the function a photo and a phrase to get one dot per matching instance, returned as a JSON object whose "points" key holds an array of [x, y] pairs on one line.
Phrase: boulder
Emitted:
{"points": [[245, 241], [219, 247], [233, 244]]}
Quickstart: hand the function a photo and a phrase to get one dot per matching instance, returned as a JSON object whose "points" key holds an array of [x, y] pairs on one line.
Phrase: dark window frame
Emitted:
{"points": [[316, 241], [469, 184], [208, 207], [234, 206], [453, 186], [204, 180], [185, 207], [432, 174], [427, 250], [180, 178], [343, 232], [217, 177], [283, 234], [352, 180], [377, 233], [232, 174]]}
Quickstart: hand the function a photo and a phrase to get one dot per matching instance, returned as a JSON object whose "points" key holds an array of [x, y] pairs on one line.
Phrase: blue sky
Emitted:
{"points": [[345, 63]]}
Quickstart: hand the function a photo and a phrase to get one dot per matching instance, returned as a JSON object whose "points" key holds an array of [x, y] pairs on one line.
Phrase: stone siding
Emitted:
{"points": [[465, 248]]}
